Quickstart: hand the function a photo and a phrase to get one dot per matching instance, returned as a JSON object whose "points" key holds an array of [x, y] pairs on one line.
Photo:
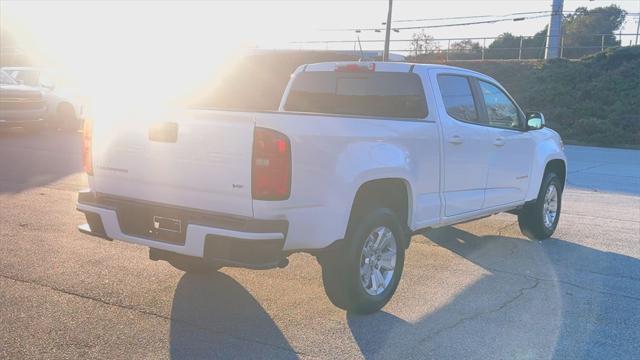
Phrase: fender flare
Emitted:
{"points": [[538, 171]]}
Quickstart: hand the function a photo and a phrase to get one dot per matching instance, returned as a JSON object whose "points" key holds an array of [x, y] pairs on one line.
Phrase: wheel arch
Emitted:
{"points": [[65, 104], [392, 192], [547, 156], [559, 167]]}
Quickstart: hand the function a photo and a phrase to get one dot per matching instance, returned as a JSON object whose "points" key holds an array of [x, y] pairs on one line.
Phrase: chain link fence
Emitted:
{"points": [[481, 48]]}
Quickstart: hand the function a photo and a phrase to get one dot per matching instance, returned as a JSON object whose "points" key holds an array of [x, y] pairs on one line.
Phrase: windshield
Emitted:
{"points": [[6, 79], [27, 77]]}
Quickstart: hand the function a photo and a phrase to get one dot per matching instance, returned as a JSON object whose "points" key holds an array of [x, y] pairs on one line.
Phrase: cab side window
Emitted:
{"points": [[501, 111], [458, 98]]}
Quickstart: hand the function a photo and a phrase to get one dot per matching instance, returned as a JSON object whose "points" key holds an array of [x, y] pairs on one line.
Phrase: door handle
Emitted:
{"points": [[455, 139], [499, 141]]}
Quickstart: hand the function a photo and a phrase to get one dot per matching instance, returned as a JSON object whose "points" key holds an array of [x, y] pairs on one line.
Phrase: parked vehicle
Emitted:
{"points": [[20, 106], [358, 157], [64, 111]]}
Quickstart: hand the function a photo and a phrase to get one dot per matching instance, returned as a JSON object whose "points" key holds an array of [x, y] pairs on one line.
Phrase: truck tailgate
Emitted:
{"points": [[197, 159]]}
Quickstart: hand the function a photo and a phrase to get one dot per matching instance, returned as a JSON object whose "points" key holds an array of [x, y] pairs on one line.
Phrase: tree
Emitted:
{"points": [[507, 46], [465, 45], [582, 33], [584, 29], [465, 50], [421, 43]]}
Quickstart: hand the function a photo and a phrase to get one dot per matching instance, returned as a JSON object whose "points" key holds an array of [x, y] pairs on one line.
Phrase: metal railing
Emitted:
{"points": [[448, 49]]}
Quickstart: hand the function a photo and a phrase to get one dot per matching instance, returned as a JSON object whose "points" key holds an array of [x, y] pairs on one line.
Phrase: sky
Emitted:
{"points": [[97, 43]]}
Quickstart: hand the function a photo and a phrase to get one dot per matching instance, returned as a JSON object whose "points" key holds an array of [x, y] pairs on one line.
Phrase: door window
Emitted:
{"points": [[501, 111], [458, 98]]}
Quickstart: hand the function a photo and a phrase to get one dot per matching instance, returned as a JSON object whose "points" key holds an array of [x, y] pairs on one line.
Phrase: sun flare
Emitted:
{"points": [[139, 56]]}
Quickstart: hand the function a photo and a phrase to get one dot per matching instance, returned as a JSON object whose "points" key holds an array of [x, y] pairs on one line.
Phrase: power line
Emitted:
{"points": [[470, 23], [471, 17], [434, 39], [492, 21], [396, 29], [548, 12]]}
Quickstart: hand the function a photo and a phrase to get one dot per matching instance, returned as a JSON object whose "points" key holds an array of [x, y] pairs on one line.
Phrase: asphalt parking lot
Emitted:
{"points": [[478, 290]]}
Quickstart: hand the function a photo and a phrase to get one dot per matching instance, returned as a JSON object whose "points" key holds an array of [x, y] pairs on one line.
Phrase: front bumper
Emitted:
{"points": [[18, 117], [219, 238], [8, 122]]}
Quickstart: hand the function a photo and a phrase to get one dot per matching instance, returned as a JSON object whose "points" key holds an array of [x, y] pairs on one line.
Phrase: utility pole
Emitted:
{"points": [[555, 31], [385, 55], [637, 31]]}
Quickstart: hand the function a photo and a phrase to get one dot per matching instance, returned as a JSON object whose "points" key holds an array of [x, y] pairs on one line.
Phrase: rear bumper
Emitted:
{"points": [[231, 241]]}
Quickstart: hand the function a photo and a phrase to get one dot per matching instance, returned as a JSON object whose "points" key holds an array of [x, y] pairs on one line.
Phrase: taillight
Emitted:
{"points": [[271, 165], [86, 147], [356, 67]]}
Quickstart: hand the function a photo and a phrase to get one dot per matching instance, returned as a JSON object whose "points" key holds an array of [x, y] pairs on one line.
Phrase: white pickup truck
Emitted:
{"points": [[358, 157]]}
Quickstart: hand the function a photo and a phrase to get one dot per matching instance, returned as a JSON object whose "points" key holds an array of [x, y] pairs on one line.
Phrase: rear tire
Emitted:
{"points": [[539, 220], [363, 273]]}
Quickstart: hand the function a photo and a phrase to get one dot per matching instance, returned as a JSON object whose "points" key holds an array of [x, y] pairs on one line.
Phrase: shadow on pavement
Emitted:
{"points": [[544, 300], [31, 160], [213, 316]]}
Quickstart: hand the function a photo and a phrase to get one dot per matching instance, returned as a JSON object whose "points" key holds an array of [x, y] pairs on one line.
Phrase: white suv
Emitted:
{"points": [[358, 157]]}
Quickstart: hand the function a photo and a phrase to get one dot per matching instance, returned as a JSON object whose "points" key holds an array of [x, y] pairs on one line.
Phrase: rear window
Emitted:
{"points": [[376, 94]]}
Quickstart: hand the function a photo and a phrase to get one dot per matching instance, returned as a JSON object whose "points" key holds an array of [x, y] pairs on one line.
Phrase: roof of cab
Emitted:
{"points": [[381, 66]]}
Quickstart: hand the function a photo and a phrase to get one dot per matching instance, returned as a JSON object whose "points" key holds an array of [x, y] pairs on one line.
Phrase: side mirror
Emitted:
{"points": [[535, 121]]}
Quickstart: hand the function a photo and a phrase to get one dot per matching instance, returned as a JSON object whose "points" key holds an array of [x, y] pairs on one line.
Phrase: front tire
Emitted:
{"points": [[363, 274], [539, 220]]}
